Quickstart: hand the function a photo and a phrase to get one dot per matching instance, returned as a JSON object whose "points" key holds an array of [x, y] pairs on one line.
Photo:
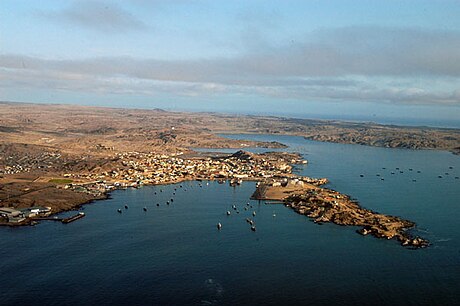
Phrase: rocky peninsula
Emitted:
{"points": [[323, 205]]}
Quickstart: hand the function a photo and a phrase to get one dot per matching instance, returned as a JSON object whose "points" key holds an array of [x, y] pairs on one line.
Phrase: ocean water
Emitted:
{"points": [[174, 254]]}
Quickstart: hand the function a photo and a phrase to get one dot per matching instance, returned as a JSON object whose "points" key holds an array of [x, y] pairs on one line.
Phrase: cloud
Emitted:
{"points": [[349, 64], [99, 16], [333, 53], [394, 51]]}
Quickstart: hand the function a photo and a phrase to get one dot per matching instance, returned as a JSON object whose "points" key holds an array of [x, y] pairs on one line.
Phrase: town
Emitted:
{"points": [[135, 169]]}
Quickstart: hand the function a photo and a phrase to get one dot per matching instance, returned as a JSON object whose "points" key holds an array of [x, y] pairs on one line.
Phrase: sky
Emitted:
{"points": [[360, 59]]}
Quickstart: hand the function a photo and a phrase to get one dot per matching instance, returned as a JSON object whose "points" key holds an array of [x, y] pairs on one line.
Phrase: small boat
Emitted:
{"points": [[172, 200], [253, 213], [126, 206], [361, 175], [228, 213], [219, 226], [167, 202], [253, 228], [119, 210], [158, 204], [145, 208]]}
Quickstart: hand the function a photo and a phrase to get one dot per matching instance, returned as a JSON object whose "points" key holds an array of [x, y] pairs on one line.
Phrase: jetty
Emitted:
{"points": [[63, 220], [73, 218]]}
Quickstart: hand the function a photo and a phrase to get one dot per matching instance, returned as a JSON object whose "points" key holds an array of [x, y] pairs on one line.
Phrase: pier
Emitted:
{"points": [[63, 220]]}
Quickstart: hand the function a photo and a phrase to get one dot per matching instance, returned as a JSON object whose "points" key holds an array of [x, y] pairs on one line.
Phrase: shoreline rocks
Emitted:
{"points": [[324, 205]]}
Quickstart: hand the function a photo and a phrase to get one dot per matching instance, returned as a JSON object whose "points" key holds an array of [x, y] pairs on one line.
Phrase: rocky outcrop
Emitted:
{"points": [[324, 205]]}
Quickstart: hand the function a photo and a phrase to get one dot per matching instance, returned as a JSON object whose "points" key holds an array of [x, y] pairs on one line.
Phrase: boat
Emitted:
{"points": [[234, 182]]}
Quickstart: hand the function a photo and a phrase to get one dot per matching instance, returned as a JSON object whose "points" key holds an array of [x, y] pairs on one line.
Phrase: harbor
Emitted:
{"points": [[134, 170]]}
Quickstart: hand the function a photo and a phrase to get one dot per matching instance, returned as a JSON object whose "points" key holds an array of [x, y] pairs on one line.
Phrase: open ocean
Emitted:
{"points": [[174, 254]]}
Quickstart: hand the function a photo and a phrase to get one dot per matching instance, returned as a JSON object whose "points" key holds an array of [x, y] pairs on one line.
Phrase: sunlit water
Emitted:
{"points": [[174, 254]]}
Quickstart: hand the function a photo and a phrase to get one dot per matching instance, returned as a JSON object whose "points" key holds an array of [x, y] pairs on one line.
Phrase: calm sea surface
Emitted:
{"points": [[174, 255]]}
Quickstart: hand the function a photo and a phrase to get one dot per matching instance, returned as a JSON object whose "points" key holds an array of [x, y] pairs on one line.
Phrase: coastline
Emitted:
{"points": [[139, 170], [276, 182], [69, 155]]}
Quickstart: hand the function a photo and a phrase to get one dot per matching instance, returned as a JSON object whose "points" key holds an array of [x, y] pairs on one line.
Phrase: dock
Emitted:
{"points": [[63, 220], [73, 218]]}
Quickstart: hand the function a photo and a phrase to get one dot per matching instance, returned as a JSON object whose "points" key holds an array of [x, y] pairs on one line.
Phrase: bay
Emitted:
{"points": [[174, 254]]}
